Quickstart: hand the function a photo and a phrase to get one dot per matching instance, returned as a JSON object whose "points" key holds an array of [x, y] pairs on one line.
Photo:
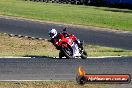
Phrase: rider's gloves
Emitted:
{"points": [[66, 35]]}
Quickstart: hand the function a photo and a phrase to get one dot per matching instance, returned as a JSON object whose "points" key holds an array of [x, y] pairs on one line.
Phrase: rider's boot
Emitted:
{"points": [[80, 44]]}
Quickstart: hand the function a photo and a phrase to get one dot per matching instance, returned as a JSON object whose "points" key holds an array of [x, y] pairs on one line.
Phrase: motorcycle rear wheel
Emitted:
{"points": [[84, 55]]}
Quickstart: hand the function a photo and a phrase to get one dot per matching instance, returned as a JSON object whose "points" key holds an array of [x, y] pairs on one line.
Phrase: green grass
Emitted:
{"points": [[71, 14], [13, 46], [49, 84], [96, 50]]}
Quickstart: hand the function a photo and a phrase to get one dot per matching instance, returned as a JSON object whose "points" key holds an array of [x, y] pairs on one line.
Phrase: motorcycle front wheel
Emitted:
{"points": [[61, 55], [67, 51]]}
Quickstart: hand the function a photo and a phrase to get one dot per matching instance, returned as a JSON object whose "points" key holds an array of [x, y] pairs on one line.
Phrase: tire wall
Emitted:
{"points": [[108, 3]]}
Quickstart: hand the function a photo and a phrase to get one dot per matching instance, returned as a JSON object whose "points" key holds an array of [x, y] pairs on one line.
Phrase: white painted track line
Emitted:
{"points": [[28, 80], [64, 57], [105, 57], [102, 57], [14, 57]]}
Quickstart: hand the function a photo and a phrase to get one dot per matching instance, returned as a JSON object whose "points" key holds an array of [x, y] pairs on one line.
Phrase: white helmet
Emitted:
{"points": [[52, 33]]}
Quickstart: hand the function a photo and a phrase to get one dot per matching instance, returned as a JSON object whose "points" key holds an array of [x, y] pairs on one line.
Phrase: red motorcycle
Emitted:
{"points": [[69, 48]]}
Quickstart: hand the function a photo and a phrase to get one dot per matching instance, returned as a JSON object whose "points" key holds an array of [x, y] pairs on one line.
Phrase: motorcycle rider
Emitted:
{"points": [[54, 35]]}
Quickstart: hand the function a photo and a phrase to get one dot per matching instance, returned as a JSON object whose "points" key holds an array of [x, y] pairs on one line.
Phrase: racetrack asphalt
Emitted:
{"points": [[44, 68], [40, 29]]}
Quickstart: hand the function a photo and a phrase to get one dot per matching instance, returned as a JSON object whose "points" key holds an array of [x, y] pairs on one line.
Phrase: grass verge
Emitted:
{"points": [[14, 46], [49, 84], [72, 14]]}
